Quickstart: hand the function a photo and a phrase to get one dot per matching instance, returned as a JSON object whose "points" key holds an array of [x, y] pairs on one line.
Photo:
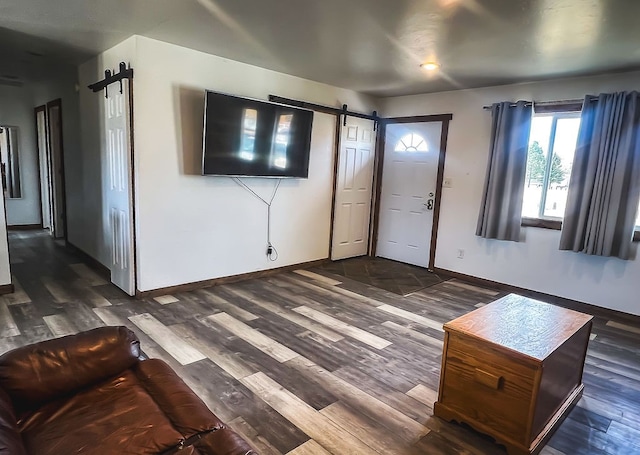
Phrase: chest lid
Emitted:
{"points": [[529, 327]]}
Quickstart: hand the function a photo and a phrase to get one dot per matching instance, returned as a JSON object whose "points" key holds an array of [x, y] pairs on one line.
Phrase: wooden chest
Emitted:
{"points": [[513, 370]]}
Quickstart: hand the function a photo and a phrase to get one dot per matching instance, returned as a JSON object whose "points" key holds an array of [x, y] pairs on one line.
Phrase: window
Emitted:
{"points": [[411, 143], [552, 145]]}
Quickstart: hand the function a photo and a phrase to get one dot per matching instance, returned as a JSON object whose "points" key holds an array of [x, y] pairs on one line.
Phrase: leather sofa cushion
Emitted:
{"points": [[10, 439], [116, 417], [40, 372]]}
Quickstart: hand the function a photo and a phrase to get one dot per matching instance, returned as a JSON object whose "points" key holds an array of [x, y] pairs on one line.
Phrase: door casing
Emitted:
{"points": [[59, 199], [42, 153]]}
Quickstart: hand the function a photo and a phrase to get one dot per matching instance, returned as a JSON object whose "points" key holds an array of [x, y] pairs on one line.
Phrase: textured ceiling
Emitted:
{"points": [[373, 46]]}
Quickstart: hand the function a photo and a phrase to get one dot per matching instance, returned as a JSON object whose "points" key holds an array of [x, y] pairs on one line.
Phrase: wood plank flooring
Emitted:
{"points": [[311, 363]]}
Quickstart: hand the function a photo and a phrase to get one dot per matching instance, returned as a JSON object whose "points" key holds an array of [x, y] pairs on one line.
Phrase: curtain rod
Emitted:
{"points": [[549, 103]]}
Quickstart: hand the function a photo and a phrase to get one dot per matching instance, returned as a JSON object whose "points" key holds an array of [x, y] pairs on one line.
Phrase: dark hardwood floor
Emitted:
{"points": [[314, 363]]}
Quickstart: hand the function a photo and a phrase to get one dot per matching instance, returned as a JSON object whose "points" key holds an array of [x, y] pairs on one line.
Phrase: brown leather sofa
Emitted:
{"points": [[91, 393]]}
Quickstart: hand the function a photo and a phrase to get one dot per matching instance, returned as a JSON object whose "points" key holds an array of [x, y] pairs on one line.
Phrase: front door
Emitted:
{"points": [[409, 174], [353, 189]]}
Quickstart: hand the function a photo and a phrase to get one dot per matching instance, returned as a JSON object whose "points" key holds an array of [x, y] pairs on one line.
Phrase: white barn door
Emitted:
{"points": [[119, 192], [353, 189]]}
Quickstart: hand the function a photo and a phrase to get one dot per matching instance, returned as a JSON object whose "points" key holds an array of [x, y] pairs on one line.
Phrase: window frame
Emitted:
{"points": [[557, 110], [549, 222], [556, 225]]}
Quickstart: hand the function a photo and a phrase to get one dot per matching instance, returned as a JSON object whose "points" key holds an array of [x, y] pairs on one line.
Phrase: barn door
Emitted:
{"points": [[119, 191], [353, 189]]}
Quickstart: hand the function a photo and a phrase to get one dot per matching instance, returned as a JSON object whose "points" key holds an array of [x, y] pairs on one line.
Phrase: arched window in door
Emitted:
{"points": [[411, 142]]}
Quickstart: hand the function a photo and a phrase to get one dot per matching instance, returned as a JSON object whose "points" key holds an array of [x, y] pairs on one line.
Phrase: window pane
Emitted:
{"points": [[411, 143], [564, 147], [536, 161]]}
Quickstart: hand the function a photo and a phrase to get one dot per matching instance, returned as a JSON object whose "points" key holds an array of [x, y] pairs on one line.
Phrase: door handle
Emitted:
{"points": [[429, 203]]}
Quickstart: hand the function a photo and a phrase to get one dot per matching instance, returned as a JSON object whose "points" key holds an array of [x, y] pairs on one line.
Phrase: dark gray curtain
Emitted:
{"points": [[605, 181], [501, 208]]}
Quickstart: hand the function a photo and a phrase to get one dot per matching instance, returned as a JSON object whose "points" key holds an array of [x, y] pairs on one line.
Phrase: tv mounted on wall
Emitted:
{"points": [[251, 138]]}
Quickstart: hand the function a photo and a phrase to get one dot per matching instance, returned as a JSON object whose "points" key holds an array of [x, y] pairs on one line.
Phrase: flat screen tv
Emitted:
{"points": [[251, 138]]}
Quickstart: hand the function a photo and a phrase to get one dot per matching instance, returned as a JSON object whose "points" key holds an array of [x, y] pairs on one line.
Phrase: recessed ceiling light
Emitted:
{"points": [[430, 66]]}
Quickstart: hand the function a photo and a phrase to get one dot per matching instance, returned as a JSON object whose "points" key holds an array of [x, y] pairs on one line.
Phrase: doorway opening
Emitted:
{"points": [[387, 204], [49, 141], [411, 159]]}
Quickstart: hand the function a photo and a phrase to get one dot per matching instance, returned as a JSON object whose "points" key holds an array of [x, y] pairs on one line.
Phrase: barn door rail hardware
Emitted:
{"points": [[109, 78], [327, 109]]}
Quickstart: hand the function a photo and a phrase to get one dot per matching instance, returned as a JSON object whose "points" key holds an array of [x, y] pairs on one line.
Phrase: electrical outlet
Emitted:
{"points": [[460, 254], [448, 182]]}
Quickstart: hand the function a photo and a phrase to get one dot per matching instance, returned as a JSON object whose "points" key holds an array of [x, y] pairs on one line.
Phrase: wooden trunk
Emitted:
{"points": [[513, 370]]}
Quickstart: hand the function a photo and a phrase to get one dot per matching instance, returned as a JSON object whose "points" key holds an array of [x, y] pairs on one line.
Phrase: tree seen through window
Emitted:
{"points": [[536, 167]]}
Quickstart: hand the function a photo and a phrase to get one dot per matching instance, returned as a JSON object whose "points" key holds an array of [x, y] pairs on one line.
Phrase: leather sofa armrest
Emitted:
{"points": [[40, 372], [224, 442], [187, 412]]}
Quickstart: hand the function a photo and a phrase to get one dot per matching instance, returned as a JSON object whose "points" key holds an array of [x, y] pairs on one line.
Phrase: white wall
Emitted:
{"points": [[5, 270], [86, 186], [16, 109], [192, 228], [536, 263]]}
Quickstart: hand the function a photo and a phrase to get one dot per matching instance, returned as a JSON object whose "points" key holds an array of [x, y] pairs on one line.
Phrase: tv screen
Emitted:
{"points": [[245, 137]]}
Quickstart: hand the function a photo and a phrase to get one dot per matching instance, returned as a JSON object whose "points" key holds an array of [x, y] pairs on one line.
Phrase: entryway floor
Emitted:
{"points": [[392, 276]]}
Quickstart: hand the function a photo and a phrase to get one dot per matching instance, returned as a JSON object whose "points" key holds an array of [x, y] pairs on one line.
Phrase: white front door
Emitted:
{"points": [[410, 170], [353, 189], [119, 194]]}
